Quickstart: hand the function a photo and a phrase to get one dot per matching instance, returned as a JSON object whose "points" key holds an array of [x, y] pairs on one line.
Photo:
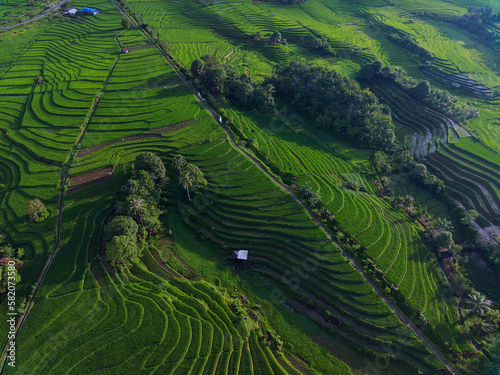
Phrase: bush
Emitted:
{"points": [[36, 211]]}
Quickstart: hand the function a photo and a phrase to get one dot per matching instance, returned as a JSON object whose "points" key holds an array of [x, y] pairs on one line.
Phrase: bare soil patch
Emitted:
{"points": [[90, 179]]}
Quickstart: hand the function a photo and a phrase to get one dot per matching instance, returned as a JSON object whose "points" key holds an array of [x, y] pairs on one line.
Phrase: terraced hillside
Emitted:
{"points": [[95, 109], [119, 108]]}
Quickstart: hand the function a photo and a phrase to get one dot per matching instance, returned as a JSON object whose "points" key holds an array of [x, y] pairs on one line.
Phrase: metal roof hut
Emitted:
{"points": [[89, 10], [240, 254], [71, 11]]}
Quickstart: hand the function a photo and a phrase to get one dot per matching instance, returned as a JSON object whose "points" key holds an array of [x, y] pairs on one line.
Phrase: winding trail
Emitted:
{"points": [[50, 10], [216, 117]]}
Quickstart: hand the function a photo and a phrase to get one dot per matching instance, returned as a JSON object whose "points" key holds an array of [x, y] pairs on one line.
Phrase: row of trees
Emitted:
{"points": [[144, 200], [336, 103], [137, 213], [221, 79], [476, 21], [408, 42], [441, 100]]}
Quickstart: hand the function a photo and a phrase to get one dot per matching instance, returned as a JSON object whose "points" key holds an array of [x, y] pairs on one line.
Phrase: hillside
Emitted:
{"points": [[342, 186]]}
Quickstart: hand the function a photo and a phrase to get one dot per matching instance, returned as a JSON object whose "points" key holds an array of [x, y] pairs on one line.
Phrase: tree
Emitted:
{"points": [[419, 172], [479, 327], [210, 61], [197, 67], [275, 37], [422, 90], [122, 250], [137, 205], [478, 304], [382, 161], [152, 164], [366, 72], [199, 181], [487, 14], [192, 178], [125, 23], [262, 98], [213, 79], [243, 93], [36, 211], [186, 181], [377, 66], [444, 240], [443, 224], [132, 187], [121, 226], [179, 162]]}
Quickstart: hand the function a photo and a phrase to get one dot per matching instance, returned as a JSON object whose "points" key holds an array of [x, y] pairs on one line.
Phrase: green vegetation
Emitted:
{"points": [[154, 195]]}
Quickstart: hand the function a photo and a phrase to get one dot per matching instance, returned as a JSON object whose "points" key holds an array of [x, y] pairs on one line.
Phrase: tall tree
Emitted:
{"points": [[197, 67], [179, 162], [186, 181], [137, 205], [152, 164], [125, 23], [122, 250], [478, 303]]}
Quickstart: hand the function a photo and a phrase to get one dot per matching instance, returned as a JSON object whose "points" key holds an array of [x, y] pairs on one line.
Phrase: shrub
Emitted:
{"points": [[36, 211]]}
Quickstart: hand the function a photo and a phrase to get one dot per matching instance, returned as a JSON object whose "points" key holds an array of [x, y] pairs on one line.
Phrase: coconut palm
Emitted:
{"points": [[179, 162], [136, 206], [186, 180], [478, 304], [479, 327]]}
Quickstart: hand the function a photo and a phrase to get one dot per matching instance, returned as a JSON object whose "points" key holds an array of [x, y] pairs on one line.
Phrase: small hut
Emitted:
{"points": [[125, 50], [240, 255], [71, 12]]}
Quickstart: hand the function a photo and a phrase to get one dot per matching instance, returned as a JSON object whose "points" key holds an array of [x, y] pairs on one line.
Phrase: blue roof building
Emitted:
{"points": [[89, 10]]}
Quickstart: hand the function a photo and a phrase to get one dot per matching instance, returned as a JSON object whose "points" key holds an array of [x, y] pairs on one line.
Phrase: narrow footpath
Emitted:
{"points": [[216, 117]]}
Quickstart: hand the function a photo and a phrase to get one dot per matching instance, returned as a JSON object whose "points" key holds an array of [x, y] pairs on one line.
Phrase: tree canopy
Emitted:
{"points": [[152, 164], [36, 210], [336, 102]]}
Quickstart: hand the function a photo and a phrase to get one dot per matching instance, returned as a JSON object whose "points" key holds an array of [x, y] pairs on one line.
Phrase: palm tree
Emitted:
{"points": [[479, 327], [478, 303], [186, 180], [179, 162], [137, 205]]}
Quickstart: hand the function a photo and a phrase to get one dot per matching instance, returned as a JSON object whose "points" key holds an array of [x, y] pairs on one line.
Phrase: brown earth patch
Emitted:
{"points": [[90, 179], [91, 176]]}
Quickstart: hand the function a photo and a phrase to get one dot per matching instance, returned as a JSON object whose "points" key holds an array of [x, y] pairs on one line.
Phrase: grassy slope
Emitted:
{"points": [[285, 142]]}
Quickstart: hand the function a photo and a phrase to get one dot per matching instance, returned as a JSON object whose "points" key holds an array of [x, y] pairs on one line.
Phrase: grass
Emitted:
{"points": [[126, 318]]}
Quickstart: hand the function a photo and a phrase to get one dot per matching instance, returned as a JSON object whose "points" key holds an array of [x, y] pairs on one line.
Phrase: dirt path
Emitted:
{"points": [[52, 8], [216, 117], [55, 250]]}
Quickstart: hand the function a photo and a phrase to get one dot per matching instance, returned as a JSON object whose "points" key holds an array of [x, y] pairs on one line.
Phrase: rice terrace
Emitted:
{"points": [[250, 187]]}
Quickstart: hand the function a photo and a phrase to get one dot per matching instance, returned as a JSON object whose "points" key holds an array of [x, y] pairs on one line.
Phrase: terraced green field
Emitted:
{"points": [[97, 109]]}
